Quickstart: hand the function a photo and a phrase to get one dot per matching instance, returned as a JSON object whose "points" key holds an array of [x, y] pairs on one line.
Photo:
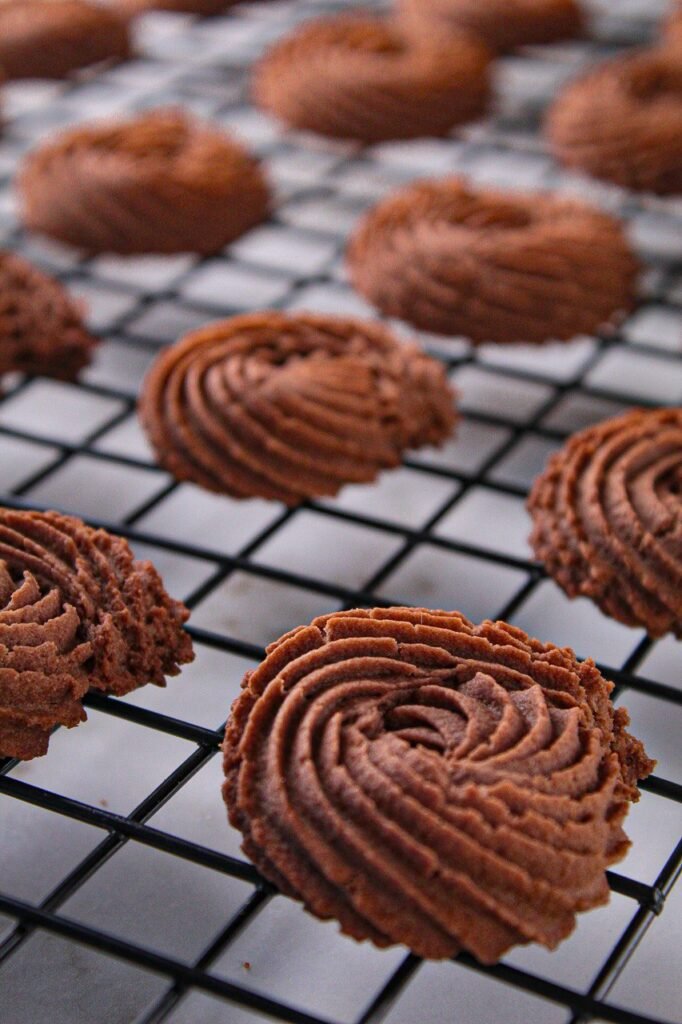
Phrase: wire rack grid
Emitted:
{"points": [[123, 894]]}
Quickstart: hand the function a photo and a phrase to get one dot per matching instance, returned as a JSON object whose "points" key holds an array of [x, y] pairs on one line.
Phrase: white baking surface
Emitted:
{"points": [[172, 905]]}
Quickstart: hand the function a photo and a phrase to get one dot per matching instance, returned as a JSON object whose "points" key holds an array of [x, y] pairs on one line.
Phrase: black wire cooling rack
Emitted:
{"points": [[423, 535]]}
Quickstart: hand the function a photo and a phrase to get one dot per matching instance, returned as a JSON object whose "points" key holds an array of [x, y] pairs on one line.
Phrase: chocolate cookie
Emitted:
{"points": [[159, 183], [291, 407], [501, 24], [607, 518], [492, 266], [623, 122], [41, 328], [76, 613], [356, 77], [430, 782], [48, 40]]}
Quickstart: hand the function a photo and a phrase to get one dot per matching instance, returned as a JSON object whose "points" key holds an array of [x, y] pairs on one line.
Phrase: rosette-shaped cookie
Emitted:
{"points": [[492, 266], [430, 782], [291, 407], [501, 24], [41, 328], [360, 78], [623, 122], [159, 183], [607, 518], [77, 612], [48, 40]]}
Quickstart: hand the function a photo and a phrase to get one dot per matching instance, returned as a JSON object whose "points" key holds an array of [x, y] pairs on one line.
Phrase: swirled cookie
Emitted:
{"points": [[48, 40], [501, 24], [492, 266], [159, 183], [360, 78], [41, 328], [76, 613], [623, 122], [291, 407], [607, 518], [431, 782]]}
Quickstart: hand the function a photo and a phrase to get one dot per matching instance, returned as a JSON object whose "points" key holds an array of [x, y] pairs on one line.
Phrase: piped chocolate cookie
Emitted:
{"points": [[500, 24], [431, 782], [77, 613], [607, 518], [49, 40], [41, 327], [289, 407], [493, 266], [623, 122], [356, 77], [162, 182]]}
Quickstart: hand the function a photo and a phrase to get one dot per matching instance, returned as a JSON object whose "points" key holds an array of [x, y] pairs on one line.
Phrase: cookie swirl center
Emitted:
{"points": [[37, 625]]}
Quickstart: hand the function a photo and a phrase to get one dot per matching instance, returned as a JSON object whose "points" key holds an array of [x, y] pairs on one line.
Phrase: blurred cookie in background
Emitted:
{"points": [[622, 121], [41, 327], [491, 265], [77, 613], [160, 182], [49, 40], [501, 24], [363, 78]]}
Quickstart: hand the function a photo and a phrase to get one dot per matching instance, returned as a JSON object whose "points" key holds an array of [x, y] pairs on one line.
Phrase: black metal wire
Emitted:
{"points": [[119, 829]]}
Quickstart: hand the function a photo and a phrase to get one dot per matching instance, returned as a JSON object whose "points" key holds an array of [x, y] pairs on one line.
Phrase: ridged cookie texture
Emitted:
{"points": [[431, 782], [288, 407], [356, 77], [48, 40], [162, 182], [41, 327], [623, 122], [492, 266], [77, 612], [500, 24], [607, 518]]}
